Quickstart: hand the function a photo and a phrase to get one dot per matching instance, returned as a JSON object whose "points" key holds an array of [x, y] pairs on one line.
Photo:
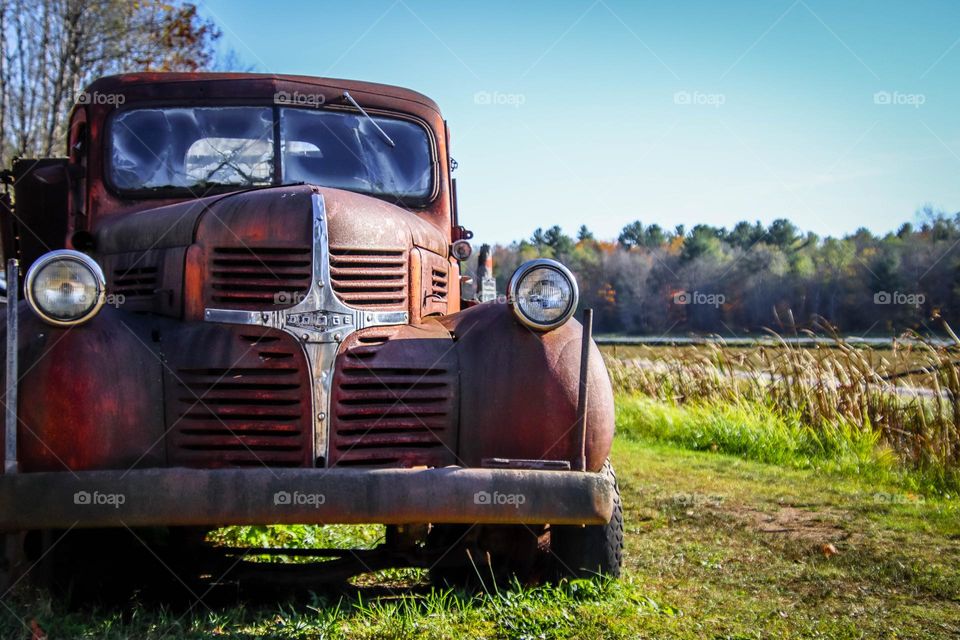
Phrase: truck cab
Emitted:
{"points": [[240, 300]]}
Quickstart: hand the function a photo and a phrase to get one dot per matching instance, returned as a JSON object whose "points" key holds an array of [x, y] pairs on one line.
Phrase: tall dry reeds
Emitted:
{"points": [[908, 392]]}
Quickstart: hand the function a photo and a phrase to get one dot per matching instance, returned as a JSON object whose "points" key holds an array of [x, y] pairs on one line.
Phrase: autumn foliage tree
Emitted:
{"points": [[711, 280]]}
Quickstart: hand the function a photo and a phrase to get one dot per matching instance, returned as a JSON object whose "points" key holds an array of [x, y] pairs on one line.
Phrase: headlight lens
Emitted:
{"points": [[65, 287], [543, 293]]}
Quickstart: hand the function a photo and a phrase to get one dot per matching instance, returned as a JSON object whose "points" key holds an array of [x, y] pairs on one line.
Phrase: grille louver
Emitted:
{"points": [[134, 282], [438, 284], [145, 281], [435, 279], [243, 415], [370, 277], [259, 277], [387, 415]]}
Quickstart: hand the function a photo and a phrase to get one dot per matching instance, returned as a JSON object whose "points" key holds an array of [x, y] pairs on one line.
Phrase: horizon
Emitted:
{"points": [[602, 112]]}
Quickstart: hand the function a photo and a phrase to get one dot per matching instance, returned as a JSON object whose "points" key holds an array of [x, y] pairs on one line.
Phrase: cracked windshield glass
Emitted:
{"points": [[184, 148]]}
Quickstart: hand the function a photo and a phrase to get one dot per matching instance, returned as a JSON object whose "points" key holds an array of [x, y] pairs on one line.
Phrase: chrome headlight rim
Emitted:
{"points": [[540, 263], [73, 256]]}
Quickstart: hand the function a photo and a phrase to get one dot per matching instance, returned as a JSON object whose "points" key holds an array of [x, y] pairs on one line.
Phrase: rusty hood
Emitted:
{"points": [[272, 213]]}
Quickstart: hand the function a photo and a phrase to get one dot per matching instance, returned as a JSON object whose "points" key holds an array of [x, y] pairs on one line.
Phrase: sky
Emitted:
{"points": [[836, 114]]}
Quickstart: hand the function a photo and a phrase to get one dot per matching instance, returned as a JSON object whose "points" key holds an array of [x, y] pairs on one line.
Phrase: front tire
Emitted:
{"points": [[13, 561], [585, 551], [498, 554]]}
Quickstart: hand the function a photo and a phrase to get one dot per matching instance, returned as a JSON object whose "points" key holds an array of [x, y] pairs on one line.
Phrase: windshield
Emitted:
{"points": [[182, 148]]}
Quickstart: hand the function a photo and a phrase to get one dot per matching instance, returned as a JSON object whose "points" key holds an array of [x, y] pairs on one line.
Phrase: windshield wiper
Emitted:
{"points": [[349, 98]]}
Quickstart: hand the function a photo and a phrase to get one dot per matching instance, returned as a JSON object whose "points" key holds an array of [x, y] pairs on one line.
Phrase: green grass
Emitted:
{"points": [[717, 546], [361, 536], [758, 432], [754, 432]]}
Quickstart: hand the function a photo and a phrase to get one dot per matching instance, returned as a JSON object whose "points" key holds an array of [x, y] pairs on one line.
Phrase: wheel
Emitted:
{"points": [[12, 561], [105, 566], [487, 556], [588, 550]]}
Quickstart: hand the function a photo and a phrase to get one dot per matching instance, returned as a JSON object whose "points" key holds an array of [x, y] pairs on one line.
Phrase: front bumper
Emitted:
{"points": [[197, 497]]}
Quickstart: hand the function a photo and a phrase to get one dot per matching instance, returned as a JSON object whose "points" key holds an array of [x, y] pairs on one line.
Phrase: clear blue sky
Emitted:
{"points": [[834, 113]]}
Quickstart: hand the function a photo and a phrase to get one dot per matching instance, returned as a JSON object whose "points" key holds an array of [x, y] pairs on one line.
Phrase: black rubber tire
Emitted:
{"points": [[591, 550], [13, 561], [512, 551]]}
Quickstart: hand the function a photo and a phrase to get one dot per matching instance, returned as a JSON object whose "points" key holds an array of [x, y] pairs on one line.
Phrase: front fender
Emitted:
{"points": [[90, 397], [519, 390]]}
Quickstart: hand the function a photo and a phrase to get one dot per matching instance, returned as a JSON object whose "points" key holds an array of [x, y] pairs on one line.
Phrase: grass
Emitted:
{"points": [[755, 432], [837, 398], [716, 546], [363, 536]]}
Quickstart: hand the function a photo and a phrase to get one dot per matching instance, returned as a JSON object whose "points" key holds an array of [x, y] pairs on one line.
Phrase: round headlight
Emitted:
{"points": [[65, 287], [543, 293]]}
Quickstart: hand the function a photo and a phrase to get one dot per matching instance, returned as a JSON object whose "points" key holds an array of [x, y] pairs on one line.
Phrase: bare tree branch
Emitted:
{"points": [[51, 49]]}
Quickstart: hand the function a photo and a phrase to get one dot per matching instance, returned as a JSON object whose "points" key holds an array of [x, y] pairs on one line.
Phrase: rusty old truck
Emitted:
{"points": [[241, 300]]}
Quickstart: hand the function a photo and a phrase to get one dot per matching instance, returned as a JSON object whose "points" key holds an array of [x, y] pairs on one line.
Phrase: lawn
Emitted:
{"points": [[716, 546]]}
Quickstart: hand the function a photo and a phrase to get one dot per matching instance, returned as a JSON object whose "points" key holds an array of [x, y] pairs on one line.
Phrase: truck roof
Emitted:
{"points": [[166, 86]]}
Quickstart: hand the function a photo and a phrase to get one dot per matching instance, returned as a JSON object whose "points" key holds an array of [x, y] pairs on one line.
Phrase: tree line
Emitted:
{"points": [[707, 279]]}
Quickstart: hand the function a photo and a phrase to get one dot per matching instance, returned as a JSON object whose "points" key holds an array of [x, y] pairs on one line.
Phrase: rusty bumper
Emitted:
{"points": [[194, 497]]}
